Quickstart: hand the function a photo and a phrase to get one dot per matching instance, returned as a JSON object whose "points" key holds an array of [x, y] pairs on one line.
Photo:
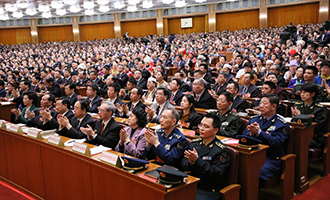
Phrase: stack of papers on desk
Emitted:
{"points": [[70, 142], [99, 149], [156, 127], [5, 103]]}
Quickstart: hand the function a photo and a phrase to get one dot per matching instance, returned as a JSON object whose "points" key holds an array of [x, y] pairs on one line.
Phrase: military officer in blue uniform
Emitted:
{"points": [[208, 159], [272, 130], [166, 145]]}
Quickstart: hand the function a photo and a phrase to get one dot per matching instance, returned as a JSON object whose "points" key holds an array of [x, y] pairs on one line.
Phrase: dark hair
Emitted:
{"points": [[139, 91], [28, 83], [94, 87], [204, 65], [174, 114], [250, 74], [216, 120], [228, 96], [273, 98], [272, 74], [161, 72], [51, 98], [191, 100], [49, 79], [199, 72], [84, 104], [2, 83], [236, 85], [248, 64], [181, 74], [325, 63], [141, 115], [132, 80], [71, 86], [310, 87], [31, 95], [65, 101], [165, 91], [270, 84], [115, 86], [224, 74], [314, 69], [178, 81]]}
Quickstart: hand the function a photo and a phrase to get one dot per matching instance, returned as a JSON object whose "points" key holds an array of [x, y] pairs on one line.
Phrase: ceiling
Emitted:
{"points": [[51, 8]]}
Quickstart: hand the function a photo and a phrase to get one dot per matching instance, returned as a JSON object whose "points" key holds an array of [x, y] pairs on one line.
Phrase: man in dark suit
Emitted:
{"points": [[113, 91], [239, 104], [93, 98], [35, 83], [63, 106], [248, 90], [125, 93], [136, 95], [106, 130], [280, 80], [94, 79], [175, 95], [140, 81], [221, 83], [67, 76], [206, 76], [300, 36], [324, 38], [202, 96], [52, 88], [184, 86], [81, 119], [122, 76], [82, 80], [2, 89], [57, 77], [104, 89], [69, 90], [46, 103]]}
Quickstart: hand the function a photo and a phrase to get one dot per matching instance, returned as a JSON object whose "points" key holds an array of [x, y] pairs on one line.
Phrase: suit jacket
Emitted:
{"points": [[75, 131], [129, 105], [103, 91], [192, 121], [122, 79], [53, 124], [81, 82], [184, 87], [55, 90], [209, 78], [3, 93], [142, 83], [69, 80], [239, 104], [303, 36], [156, 118], [110, 135], [326, 39], [98, 82], [177, 98], [205, 101], [222, 88], [38, 121], [94, 104], [73, 99], [35, 88], [145, 73], [59, 81], [118, 100], [252, 90], [137, 144]]}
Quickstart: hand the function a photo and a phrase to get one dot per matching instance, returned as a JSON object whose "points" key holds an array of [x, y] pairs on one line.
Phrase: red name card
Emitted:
{"points": [[81, 148], [55, 140], [110, 158]]}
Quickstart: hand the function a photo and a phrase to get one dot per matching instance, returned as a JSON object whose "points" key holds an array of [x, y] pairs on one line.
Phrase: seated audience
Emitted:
{"points": [[188, 116]]}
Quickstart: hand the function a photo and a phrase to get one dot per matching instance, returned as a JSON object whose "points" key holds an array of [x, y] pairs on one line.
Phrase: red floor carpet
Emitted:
{"points": [[8, 192], [319, 191]]}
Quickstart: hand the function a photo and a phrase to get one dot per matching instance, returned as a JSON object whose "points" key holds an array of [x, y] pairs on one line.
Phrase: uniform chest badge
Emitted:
{"points": [[224, 123], [207, 158], [167, 147], [271, 128]]}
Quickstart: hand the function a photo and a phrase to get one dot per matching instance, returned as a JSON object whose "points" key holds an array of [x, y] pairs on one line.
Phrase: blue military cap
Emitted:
{"points": [[170, 176], [134, 163], [248, 141]]}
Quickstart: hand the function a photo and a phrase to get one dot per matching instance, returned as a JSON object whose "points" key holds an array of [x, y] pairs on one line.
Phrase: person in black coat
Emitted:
{"points": [[202, 96], [93, 98], [206, 76], [106, 132], [221, 83], [189, 118], [122, 76], [94, 79], [81, 119], [52, 88], [184, 86], [113, 91], [248, 90], [300, 36], [69, 90], [140, 81], [239, 104], [136, 94], [324, 38], [175, 95]]}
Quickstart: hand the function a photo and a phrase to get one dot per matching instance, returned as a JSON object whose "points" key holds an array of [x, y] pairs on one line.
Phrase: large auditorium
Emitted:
{"points": [[164, 99]]}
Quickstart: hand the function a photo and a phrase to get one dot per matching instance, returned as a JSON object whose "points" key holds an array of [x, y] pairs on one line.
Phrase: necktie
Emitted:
{"points": [[132, 106], [244, 91], [218, 89], [102, 128], [78, 124], [197, 97], [157, 110], [172, 97]]}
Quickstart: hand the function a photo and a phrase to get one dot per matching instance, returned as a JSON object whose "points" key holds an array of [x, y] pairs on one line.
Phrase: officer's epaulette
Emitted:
{"points": [[254, 116], [298, 102], [177, 136], [281, 119], [233, 113], [220, 145], [319, 105], [196, 140]]}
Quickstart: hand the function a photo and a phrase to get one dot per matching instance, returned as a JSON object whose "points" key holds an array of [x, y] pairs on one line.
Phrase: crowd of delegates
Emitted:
{"points": [[135, 70]]}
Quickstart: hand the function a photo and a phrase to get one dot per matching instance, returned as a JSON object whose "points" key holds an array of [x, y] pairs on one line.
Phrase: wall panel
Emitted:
{"points": [[174, 25], [237, 20], [57, 33], [139, 28], [15, 36], [296, 14], [97, 31]]}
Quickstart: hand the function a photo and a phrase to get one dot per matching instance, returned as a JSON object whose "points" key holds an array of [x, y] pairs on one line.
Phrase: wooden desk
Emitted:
{"points": [[81, 91], [5, 110], [46, 171], [302, 138]]}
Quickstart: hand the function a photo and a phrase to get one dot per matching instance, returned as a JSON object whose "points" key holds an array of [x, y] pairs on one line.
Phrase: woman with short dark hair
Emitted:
{"points": [[132, 140], [189, 118], [29, 101]]}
